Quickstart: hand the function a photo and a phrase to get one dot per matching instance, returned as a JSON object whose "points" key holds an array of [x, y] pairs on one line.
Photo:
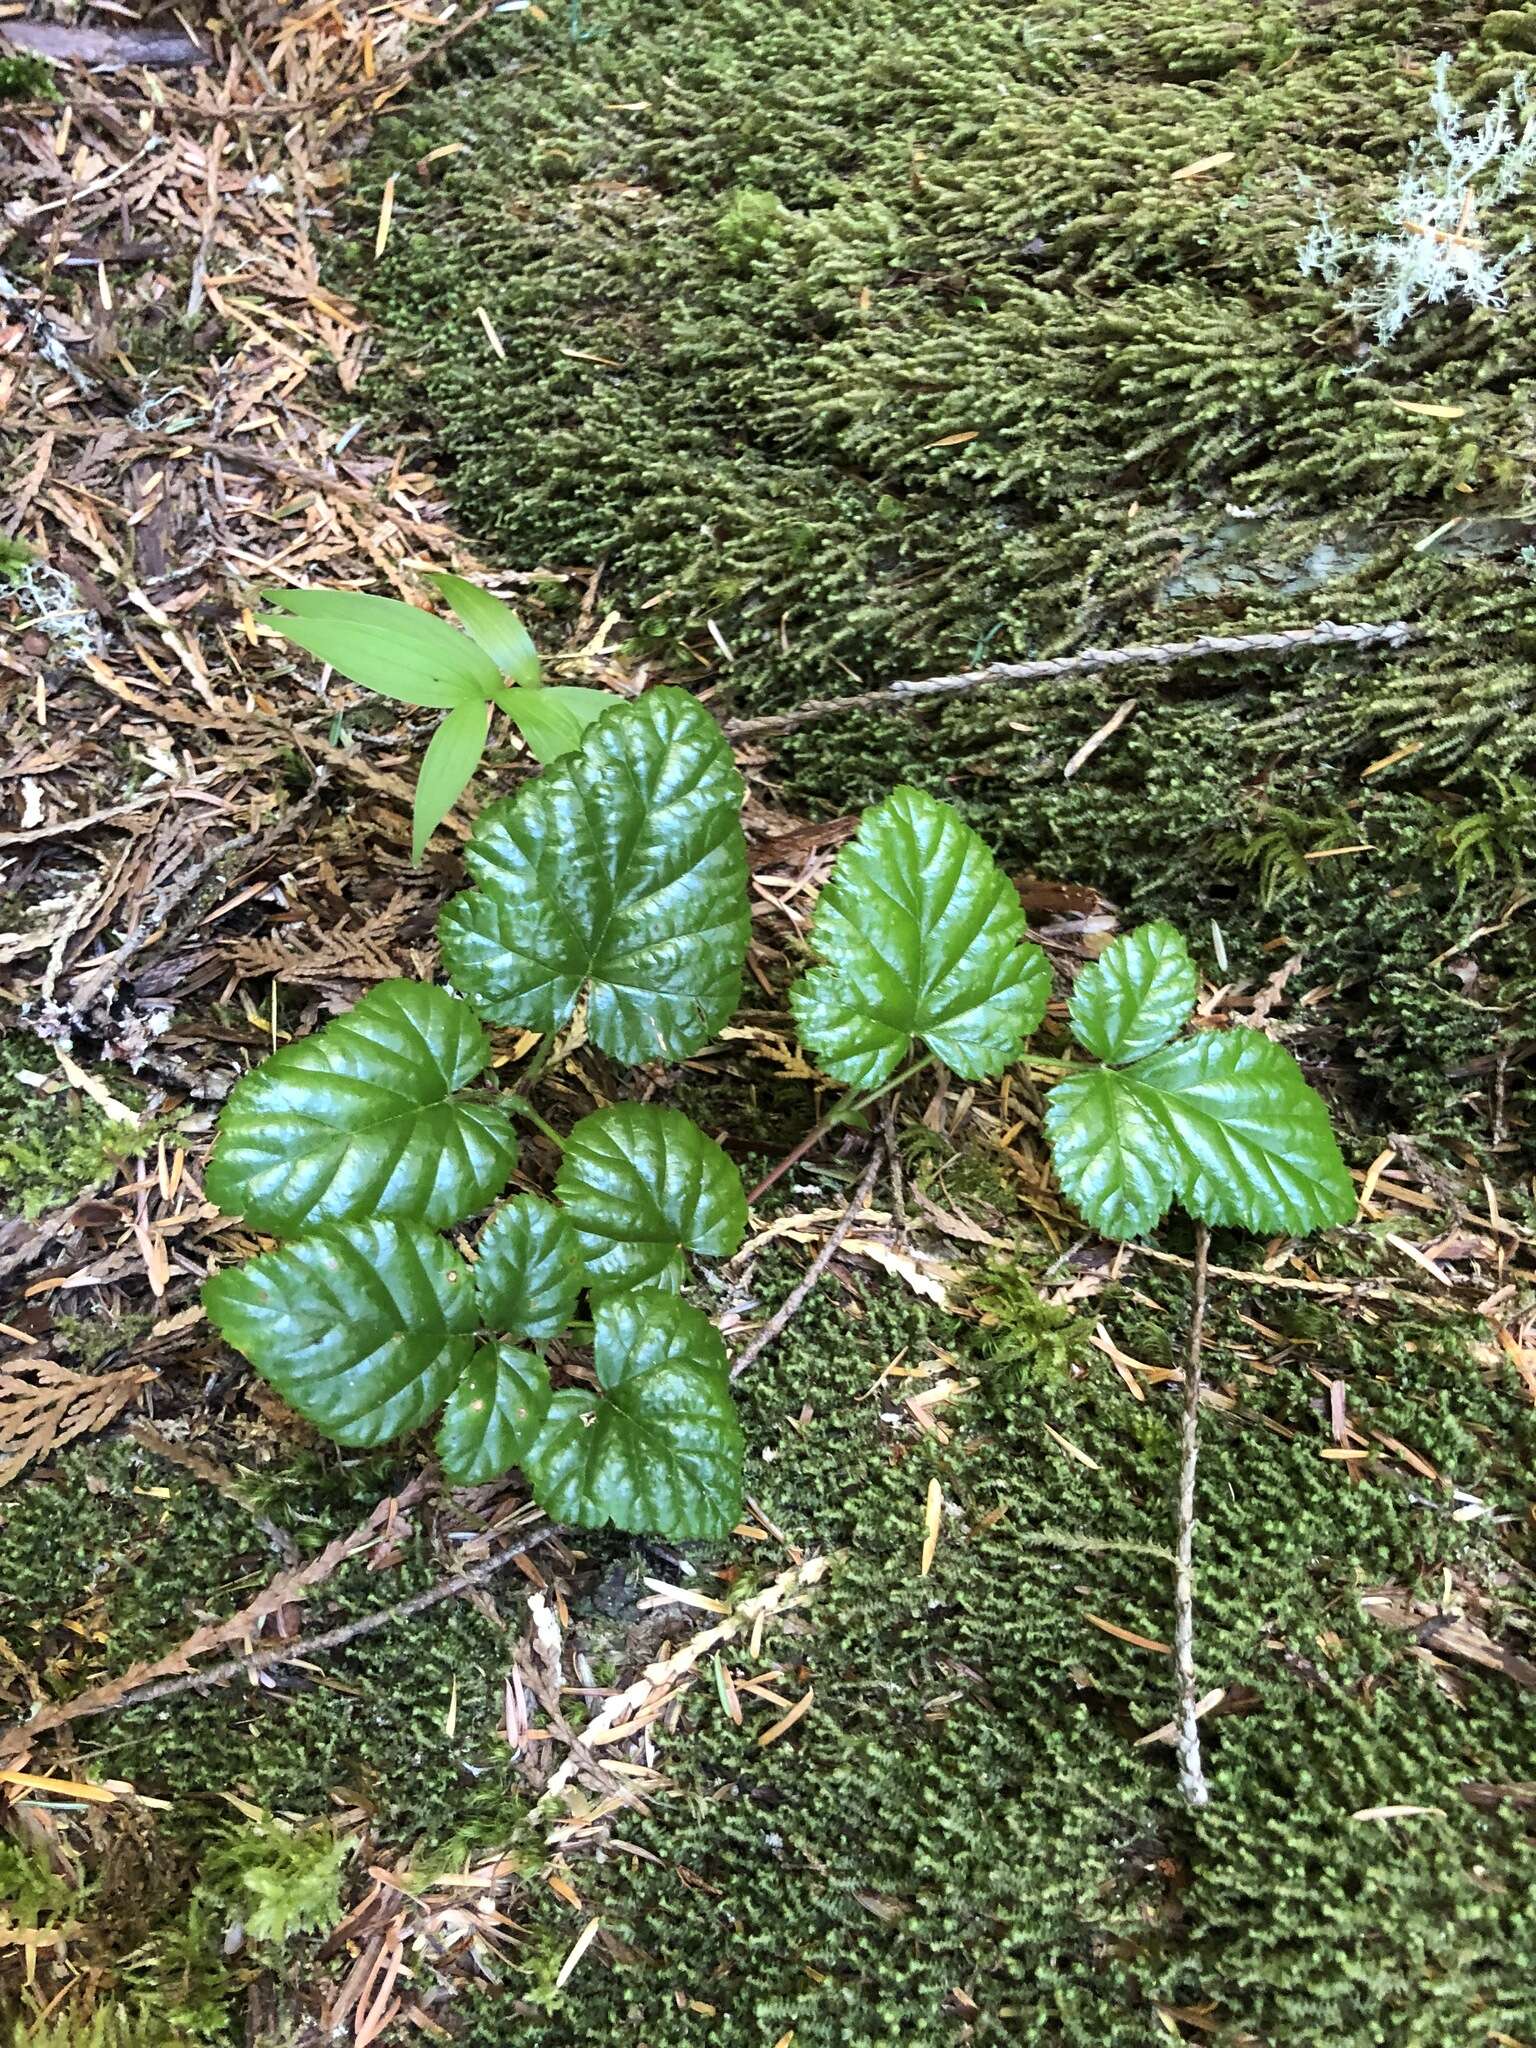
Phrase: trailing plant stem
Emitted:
{"points": [[846, 1107], [521, 1106], [1191, 1775]]}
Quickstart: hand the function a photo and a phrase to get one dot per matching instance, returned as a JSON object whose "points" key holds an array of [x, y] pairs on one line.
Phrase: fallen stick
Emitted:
{"points": [[1191, 1774], [1153, 654], [789, 1306]]}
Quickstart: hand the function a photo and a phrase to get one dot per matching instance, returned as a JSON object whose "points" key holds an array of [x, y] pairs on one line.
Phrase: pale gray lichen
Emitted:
{"points": [[1432, 249]]}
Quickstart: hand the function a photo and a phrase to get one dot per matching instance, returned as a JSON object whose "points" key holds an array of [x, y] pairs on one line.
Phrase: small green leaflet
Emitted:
{"points": [[529, 1271], [640, 1185], [921, 936], [621, 870], [1224, 1121], [553, 720], [493, 1415], [385, 645], [1135, 996], [1110, 1153], [360, 1120], [364, 1329], [659, 1452], [493, 626], [451, 759]]}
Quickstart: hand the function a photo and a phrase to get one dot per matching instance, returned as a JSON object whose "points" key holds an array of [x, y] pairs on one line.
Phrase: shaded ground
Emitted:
{"points": [[559, 1806]]}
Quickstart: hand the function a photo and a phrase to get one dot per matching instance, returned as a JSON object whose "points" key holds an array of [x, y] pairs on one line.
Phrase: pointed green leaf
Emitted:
{"points": [[553, 720], [659, 1451], [641, 1186], [493, 1415], [359, 1120], [622, 869], [1136, 995], [529, 1272], [1110, 1153], [363, 1329], [384, 645], [446, 767], [922, 936], [1250, 1142], [1223, 1120], [493, 626]]}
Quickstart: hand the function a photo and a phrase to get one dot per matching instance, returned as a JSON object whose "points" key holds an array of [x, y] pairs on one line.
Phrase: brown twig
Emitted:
{"points": [[1154, 654], [346, 1631], [790, 1306], [101, 1700], [1191, 1775]]}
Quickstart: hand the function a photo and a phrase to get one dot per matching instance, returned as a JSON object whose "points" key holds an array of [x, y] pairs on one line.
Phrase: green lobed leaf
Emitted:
{"points": [[359, 1120], [449, 762], [493, 1415], [659, 1452], [921, 936], [1225, 1121], [529, 1271], [553, 720], [622, 870], [642, 1185], [1136, 995], [364, 1329], [493, 626], [385, 645]]}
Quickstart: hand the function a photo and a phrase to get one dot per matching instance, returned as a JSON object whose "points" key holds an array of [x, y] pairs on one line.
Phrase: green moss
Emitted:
{"points": [[25, 77], [963, 1839], [884, 336], [53, 1146], [127, 1555]]}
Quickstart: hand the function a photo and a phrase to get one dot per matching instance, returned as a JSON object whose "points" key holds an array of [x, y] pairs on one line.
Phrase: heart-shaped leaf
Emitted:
{"points": [[529, 1272], [1136, 995], [494, 1413], [493, 626], [364, 1329], [385, 645], [659, 1452], [622, 869], [1223, 1120], [642, 1186], [359, 1120], [922, 936]]}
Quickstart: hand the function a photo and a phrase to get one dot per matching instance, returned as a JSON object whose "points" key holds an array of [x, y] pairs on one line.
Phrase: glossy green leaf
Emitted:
{"points": [[659, 1451], [359, 1120], [493, 626], [1224, 1121], [529, 1272], [385, 645], [622, 870], [1136, 995], [1110, 1152], [1251, 1143], [449, 762], [921, 936], [493, 1415], [641, 1186], [553, 720], [364, 1329]]}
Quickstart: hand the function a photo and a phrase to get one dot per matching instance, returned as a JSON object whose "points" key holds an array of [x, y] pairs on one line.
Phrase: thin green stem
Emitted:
{"points": [[539, 1062], [848, 1105], [521, 1106]]}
